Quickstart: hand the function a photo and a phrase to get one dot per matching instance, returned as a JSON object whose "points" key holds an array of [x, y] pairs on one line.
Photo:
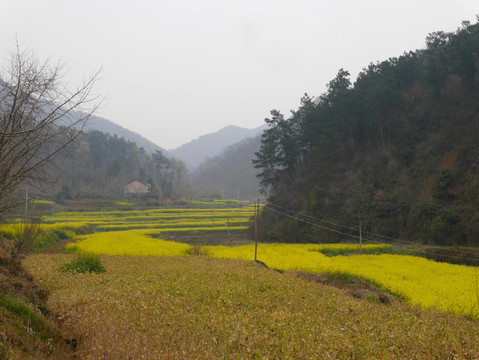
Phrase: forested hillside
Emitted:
{"points": [[100, 165], [396, 151], [229, 174], [109, 127]]}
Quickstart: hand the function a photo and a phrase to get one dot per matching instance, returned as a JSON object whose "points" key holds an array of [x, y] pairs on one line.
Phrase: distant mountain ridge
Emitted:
{"points": [[207, 146], [105, 126], [109, 127]]}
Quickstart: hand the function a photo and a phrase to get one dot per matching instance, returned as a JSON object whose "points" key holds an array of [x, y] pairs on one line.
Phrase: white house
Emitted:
{"points": [[136, 187]]}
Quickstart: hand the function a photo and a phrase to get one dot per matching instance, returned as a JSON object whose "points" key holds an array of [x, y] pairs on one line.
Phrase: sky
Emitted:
{"points": [[173, 70]]}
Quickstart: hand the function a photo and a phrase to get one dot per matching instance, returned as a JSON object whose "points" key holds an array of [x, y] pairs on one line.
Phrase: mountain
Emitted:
{"points": [[210, 145], [100, 124], [109, 127], [230, 174]]}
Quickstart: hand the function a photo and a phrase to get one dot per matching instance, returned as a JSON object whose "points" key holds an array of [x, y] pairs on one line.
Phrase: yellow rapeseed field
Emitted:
{"points": [[184, 219], [418, 280]]}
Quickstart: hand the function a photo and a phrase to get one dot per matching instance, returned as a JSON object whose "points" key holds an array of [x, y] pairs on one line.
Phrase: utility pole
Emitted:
{"points": [[26, 206], [256, 231], [360, 239]]}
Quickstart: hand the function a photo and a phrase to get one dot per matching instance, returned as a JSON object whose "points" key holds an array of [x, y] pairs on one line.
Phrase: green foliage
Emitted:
{"points": [[52, 236], [85, 263], [22, 310], [16, 307], [444, 229], [441, 189]]}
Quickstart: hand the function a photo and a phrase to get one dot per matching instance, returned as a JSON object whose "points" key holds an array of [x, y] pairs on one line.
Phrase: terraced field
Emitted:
{"points": [[161, 302], [165, 219], [417, 280]]}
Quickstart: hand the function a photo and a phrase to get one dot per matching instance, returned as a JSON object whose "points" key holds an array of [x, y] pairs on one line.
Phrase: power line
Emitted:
{"points": [[310, 223], [370, 240], [416, 243], [373, 234], [426, 252], [316, 219]]}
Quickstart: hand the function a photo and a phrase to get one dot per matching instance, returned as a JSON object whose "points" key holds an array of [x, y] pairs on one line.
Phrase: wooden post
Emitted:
{"points": [[228, 226], [256, 231], [213, 216], [360, 239], [26, 206]]}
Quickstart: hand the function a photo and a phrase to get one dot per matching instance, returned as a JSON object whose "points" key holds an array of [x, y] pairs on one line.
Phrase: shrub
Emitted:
{"points": [[85, 263], [197, 250]]}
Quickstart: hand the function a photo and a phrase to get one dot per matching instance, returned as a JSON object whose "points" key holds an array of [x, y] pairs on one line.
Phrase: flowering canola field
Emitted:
{"points": [[164, 219], [420, 281]]}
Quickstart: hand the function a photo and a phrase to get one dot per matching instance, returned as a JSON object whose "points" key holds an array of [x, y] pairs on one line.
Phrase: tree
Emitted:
{"points": [[337, 87], [279, 153], [39, 118]]}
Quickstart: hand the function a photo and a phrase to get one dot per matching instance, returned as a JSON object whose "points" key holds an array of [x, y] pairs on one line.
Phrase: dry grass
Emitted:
{"points": [[205, 308], [420, 281]]}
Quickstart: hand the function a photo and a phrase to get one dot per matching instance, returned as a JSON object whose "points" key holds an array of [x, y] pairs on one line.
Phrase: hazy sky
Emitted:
{"points": [[176, 69]]}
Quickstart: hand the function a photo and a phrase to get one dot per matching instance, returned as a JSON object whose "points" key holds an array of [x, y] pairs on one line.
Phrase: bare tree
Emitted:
{"points": [[39, 118]]}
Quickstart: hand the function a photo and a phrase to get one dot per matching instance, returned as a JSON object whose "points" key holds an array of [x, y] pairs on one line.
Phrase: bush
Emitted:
{"points": [[85, 263], [197, 250]]}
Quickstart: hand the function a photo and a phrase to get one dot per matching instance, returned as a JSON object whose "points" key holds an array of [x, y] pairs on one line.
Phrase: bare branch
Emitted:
{"points": [[39, 118]]}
